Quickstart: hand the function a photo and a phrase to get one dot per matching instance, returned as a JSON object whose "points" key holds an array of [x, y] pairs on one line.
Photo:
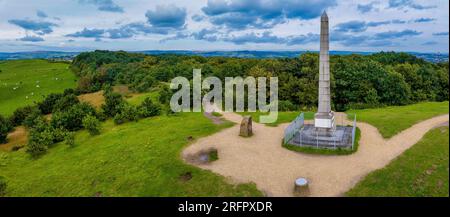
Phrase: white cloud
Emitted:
{"points": [[74, 17]]}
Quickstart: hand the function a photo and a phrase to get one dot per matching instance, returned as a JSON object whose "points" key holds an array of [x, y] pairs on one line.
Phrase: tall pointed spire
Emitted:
{"points": [[324, 15]]}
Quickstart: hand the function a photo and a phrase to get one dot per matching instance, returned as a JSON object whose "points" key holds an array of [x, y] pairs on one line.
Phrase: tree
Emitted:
{"points": [[148, 108], [46, 106], [33, 119], [356, 80], [5, 127], [65, 102], [164, 95], [42, 137], [38, 142], [92, 124], [126, 113], [22, 113], [72, 118], [112, 103]]}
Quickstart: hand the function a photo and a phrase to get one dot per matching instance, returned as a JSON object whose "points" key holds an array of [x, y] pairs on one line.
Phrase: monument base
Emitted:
{"points": [[324, 121], [310, 136]]}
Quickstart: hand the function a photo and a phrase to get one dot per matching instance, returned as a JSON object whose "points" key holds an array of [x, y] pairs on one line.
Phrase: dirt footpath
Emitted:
{"points": [[261, 158]]}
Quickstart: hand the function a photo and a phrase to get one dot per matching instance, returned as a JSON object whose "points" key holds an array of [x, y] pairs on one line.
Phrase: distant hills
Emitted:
{"points": [[432, 57]]}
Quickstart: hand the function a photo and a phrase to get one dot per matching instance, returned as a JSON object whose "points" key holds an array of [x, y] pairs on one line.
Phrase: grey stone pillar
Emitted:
{"points": [[324, 117]]}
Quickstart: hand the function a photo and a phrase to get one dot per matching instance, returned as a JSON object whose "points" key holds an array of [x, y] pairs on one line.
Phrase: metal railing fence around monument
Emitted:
{"points": [[354, 132], [294, 132], [293, 128]]}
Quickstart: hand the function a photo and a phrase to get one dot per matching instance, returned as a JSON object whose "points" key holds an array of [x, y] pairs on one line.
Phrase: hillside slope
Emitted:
{"points": [[24, 81]]}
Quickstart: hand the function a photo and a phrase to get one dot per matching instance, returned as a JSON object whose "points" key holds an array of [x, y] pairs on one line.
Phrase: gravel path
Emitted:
{"points": [[261, 158]]}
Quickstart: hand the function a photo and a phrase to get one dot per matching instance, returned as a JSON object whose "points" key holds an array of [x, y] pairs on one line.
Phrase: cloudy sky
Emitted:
{"points": [[78, 25]]}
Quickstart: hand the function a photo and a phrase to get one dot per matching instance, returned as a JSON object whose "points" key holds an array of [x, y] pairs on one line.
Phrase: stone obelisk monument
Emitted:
{"points": [[325, 132], [324, 118]]}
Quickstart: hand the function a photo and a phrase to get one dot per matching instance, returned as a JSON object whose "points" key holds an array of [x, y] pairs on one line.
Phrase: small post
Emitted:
{"points": [[301, 188]]}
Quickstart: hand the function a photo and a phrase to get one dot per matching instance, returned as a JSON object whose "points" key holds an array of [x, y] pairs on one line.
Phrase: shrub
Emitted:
{"points": [[5, 127], [112, 101], [36, 149], [142, 85], [72, 119], [127, 113], [33, 118], [164, 95], [65, 102], [20, 114], [92, 124], [17, 147], [59, 135], [70, 139], [286, 105], [41, 138], [149, 109], [38, 142], [101, 116], [2, 186], [36, 122], [46, 106], [69, 91], [119, 118]]}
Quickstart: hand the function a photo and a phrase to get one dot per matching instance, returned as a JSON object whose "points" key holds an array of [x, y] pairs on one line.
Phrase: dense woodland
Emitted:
{"points": [[357, 81]]}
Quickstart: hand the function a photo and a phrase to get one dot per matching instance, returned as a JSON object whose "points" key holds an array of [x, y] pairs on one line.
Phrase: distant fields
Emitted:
{"points": [[393, 119], [23, 82], [134, 159], [421, 171]]}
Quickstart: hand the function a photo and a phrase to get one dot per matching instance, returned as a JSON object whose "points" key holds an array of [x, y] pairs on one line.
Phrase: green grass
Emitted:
{"points": [[420, 171], [216, 114], [320, 151], [139, 98], [394, 119], [134, 159], [283, 117], [26, 75]]}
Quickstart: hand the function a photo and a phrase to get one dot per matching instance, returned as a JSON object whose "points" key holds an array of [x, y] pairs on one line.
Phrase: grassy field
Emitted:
{"points": [[394, 119], [134, 159], [24, 81], [283, 117], [138, 98], [421, 171]]}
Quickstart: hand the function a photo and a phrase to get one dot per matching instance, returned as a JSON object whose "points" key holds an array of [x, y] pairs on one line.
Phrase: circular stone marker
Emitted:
{"points": [[301, 182], [301, 187]]}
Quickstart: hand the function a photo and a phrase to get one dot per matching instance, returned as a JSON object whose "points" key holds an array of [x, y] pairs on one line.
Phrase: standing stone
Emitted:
{"points": [[324, 118], [246, 127]]}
